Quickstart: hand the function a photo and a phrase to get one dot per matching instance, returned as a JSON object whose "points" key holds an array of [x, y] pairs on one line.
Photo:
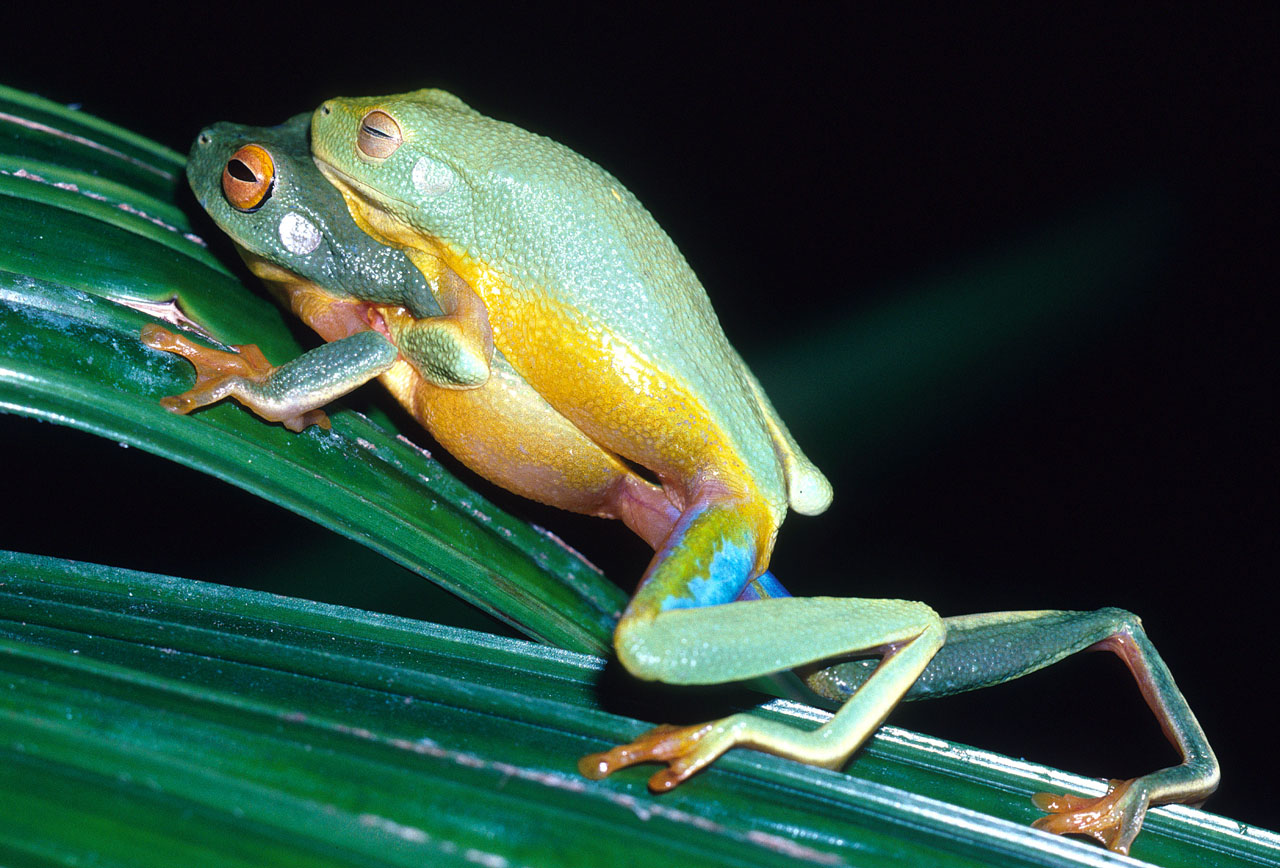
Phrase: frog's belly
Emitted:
{"points": [[508, 434], [632, 407]]}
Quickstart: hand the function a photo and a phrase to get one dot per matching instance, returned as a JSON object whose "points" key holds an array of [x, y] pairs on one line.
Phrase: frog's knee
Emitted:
{"points": [[1122, 620], [636, 653]]}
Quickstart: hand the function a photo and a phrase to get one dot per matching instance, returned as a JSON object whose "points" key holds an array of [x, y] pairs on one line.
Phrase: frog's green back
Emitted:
{"points": [[558, 228]]}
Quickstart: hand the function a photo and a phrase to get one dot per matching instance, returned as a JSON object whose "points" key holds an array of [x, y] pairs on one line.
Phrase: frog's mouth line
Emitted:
{"points": [[366, 211], [353, 186]]}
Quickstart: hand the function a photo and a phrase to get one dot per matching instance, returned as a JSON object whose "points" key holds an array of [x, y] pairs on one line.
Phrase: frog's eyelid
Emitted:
{"points": [[379, 135]]}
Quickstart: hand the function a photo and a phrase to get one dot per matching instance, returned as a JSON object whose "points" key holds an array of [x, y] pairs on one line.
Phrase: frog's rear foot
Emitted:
{"points": [[1113, 819], [685, 750]]}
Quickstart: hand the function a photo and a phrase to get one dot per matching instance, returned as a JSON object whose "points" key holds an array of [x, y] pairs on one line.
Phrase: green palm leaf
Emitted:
{"points": [[149, 720], [157, 721]]}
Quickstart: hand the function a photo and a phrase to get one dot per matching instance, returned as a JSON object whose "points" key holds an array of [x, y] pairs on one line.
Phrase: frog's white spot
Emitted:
{"points": [[430, 177], [298, 234]]}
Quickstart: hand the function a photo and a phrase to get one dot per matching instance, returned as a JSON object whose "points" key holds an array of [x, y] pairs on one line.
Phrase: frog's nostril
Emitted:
{"points": [[205, 138]]}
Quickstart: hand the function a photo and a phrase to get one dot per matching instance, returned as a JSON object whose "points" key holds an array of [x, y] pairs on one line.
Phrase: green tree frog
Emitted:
{"points": [[293, 230], [548, 281]]}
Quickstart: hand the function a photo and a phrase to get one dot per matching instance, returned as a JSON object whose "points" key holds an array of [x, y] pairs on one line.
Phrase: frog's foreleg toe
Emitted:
{"points": [[219, 374], [247, 361]]}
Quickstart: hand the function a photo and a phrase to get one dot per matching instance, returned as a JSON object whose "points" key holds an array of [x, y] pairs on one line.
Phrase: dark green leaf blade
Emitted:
{"points": [[44, 130], [333, 737]]}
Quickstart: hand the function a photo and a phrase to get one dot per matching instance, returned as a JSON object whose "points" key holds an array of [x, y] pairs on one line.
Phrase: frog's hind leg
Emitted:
{"points": [[649, 513], [683, 627], [982, 650]]}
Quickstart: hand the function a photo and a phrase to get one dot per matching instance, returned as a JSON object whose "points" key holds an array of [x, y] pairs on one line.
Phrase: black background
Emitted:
{"points": [[810, 166]]}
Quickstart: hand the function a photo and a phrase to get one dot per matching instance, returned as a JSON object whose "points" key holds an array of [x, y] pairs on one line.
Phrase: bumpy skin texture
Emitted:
{"points": [[302, 242], [587, 296]]}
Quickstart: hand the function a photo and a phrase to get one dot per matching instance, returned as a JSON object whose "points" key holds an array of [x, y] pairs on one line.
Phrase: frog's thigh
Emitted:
{"points": [[681, 628]]}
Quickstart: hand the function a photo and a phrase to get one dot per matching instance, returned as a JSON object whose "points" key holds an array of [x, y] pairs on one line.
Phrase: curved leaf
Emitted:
{"points": [[267, 731]]}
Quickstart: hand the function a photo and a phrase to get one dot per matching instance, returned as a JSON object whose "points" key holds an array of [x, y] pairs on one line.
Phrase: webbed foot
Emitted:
{"points": [[1114, 819], [685, 750], [220, 374]]}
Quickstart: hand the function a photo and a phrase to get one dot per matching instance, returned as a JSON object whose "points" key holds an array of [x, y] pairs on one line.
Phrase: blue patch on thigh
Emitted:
{"points": [[726, 574]]}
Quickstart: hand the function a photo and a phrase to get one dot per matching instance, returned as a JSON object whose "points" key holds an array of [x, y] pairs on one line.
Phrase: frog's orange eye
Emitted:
{"points": [[248, 177], [379, 135]]}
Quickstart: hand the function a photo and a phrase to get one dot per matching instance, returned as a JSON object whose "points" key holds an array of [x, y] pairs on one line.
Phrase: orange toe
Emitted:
{"points": [[673, 745], [1106, 818]]}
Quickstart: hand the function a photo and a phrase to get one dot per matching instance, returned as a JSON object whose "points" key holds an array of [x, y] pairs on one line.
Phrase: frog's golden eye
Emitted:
{"points": [[248, 178], [379, 135]]}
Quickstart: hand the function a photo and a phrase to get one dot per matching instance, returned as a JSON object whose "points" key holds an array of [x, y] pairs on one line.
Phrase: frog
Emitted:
{"points": [[293, 231], [591, 302]]}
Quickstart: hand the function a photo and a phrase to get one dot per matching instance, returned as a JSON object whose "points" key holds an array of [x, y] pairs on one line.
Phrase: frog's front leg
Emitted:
{"points": [[683, 627], [983, 650], [455, 350], [292, 393]]}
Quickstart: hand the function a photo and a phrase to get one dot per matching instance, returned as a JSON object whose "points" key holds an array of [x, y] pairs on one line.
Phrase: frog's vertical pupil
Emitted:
{"points": [[240, 171]]}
